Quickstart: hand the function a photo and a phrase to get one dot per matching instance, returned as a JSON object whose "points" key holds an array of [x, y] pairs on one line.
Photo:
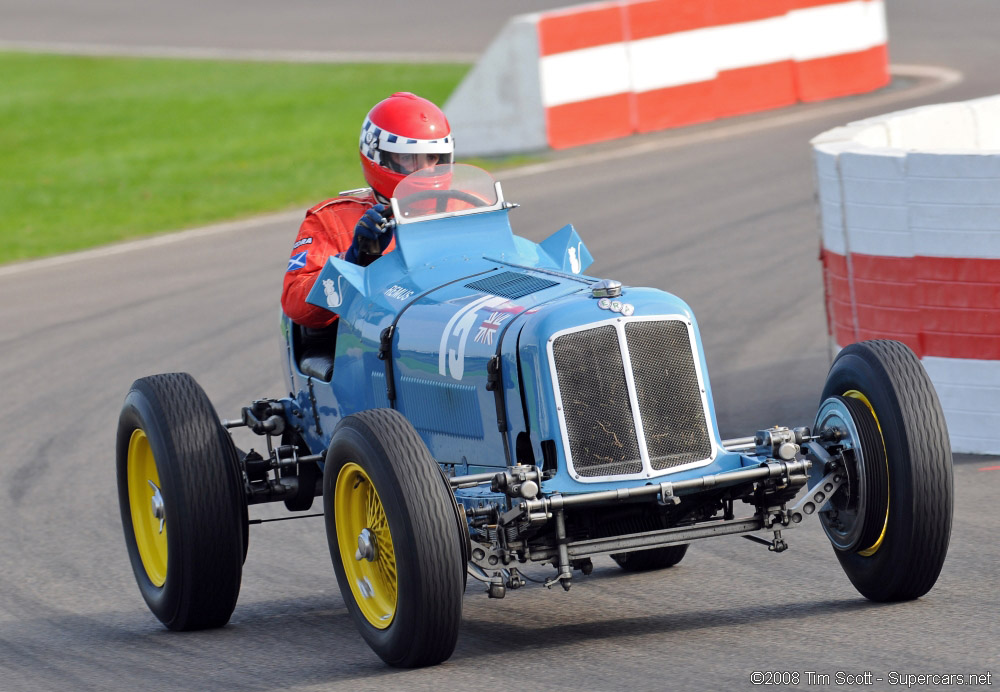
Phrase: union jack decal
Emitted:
{"points": [[489, 327]]}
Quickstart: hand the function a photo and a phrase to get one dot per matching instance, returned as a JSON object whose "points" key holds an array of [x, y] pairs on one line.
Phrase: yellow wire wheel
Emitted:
{"points": [[147, 509], [394, 538], [365, 543]]}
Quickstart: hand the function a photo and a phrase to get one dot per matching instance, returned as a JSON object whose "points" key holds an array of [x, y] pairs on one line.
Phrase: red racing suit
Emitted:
{"points": [[328, 229]]}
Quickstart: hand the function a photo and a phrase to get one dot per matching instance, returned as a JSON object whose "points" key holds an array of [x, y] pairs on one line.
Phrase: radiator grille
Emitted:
{"points": [[595, 403], [666, 385], [597, 411]]}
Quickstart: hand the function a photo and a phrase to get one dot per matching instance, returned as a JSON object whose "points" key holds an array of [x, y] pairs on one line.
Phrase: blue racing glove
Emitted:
{"points": [[372, 236]]}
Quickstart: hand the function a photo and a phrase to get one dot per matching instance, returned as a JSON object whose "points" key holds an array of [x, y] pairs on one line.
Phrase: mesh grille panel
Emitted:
{"points": [[595, 403], [666, 383]]}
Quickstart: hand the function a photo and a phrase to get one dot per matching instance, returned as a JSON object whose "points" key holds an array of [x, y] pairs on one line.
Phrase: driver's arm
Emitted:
{"points": [[323, 233]]}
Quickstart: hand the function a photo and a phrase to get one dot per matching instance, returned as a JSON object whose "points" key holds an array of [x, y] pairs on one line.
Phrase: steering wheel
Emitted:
{"points": [[443, 196]]}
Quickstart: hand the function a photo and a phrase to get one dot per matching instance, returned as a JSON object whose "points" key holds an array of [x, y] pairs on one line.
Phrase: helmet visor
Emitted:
{"points": [[409, 163]]}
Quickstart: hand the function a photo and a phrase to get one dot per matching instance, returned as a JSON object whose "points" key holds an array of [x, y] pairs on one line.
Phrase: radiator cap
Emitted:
{"points": [[606, 288]]}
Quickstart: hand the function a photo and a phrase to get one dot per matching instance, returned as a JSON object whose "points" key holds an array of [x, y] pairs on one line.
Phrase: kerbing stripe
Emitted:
{"points": [[698, 55], [829, 30], [584, 74]]}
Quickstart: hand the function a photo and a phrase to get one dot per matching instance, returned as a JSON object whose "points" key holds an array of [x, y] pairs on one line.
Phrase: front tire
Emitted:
{"points": [[181, 501], [899, 553], [390, 526]]}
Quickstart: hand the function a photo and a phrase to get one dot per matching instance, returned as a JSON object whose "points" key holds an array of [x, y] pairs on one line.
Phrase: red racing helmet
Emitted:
{"points": [[400, 135]]}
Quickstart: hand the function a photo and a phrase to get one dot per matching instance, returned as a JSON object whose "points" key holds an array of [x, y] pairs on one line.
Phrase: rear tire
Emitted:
{"points": [[906, 558], [382, 489], [176, 465], [646, 560]]}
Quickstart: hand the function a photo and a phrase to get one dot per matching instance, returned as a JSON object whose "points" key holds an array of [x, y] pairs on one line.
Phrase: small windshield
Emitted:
{"points": [[444, 189]]}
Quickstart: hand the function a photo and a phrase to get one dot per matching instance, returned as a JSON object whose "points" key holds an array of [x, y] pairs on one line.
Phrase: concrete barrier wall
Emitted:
{"points": [[599, 71], [910, 219]]}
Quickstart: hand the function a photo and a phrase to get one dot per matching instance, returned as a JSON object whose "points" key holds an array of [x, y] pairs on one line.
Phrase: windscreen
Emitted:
{"points": [[444, 189]]}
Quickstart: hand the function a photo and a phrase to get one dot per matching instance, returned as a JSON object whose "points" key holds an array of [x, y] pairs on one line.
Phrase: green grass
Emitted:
{"points": [[95, 150]]}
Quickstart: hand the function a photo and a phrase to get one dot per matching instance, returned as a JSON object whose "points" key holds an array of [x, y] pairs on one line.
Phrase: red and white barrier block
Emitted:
{"points": [[910, 215], [598, 71]]}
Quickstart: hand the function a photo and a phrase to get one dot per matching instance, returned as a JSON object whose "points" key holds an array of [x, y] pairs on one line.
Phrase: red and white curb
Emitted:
{"points": [[910, 222], [598, 71]]}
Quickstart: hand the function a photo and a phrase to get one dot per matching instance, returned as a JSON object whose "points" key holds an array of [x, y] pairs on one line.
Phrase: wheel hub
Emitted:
{"points": [[366, 546], [159, 511], [854, 514]]}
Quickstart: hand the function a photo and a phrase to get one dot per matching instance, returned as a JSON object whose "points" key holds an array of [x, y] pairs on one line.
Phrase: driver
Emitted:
{"points": [[401, 134]]}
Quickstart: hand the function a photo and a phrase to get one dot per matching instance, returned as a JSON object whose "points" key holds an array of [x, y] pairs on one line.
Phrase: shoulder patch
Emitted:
{"points": [[297, 261], [300, 243]]}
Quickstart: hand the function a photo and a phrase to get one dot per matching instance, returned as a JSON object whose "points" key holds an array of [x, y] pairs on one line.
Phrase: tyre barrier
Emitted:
{"points": [[910, 224], [598, 71]]}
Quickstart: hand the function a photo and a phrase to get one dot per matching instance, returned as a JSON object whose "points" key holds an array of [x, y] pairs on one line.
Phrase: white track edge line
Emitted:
{"points": [[234, 54], [165, 238]]}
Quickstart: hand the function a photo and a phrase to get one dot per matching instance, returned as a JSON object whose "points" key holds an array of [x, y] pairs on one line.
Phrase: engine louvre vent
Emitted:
{"points": [[510, 285], [595, 403], [442, 407], [666, 385]]}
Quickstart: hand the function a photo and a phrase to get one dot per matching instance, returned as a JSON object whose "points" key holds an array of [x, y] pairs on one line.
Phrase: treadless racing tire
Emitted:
{"points": [[914, 512], [645, 560], [390, 525], [182, 503]]}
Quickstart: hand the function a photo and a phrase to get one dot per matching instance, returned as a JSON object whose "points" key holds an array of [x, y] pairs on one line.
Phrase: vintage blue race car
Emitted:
{"points": [[481, 404]]}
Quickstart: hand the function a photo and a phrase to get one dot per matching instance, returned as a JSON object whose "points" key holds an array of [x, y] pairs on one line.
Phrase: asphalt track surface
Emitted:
{"points": [[722, 215]]}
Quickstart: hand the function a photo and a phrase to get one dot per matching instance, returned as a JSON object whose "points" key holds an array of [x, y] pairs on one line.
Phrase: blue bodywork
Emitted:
{"points": [[419, 326]]}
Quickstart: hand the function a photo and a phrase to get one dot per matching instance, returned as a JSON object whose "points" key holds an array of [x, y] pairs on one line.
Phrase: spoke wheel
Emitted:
{"points": [[390, 524], [370, 564], [891, 525]]}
